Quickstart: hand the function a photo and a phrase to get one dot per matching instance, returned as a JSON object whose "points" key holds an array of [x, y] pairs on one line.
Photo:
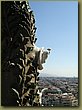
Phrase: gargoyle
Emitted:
{"points": [[41, 55]]}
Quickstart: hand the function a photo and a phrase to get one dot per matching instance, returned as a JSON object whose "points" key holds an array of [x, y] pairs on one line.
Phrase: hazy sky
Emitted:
{"points": [[57, 28]]}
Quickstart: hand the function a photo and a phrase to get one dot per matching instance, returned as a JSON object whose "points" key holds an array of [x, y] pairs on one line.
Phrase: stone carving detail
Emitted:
{"points": [[20, 58]]}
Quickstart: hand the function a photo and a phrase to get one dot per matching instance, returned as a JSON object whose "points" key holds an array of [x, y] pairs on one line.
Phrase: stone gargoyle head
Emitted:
{"points": [[41, 54]]}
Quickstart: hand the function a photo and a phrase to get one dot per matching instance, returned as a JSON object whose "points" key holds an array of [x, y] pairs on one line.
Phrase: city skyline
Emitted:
{"points": [[57, 28]]}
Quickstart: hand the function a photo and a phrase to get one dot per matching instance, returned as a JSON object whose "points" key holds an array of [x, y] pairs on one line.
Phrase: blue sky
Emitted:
{"points": [[57, 28]]}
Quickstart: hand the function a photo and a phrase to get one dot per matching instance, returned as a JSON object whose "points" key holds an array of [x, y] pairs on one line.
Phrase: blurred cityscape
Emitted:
{"points": [[58, 91]]}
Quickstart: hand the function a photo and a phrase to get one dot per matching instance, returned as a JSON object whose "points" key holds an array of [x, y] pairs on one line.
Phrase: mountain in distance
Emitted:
{"points": [[45, 75], [53, 75]]}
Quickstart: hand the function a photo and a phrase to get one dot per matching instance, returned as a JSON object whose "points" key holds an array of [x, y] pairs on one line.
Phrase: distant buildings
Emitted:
{"points": [[58, 94]]}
